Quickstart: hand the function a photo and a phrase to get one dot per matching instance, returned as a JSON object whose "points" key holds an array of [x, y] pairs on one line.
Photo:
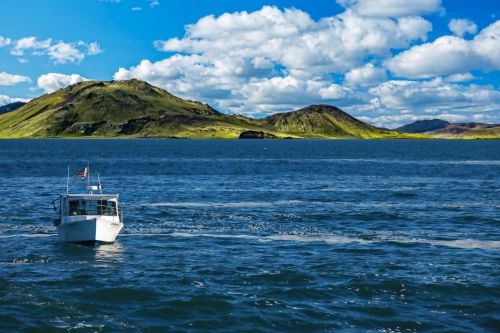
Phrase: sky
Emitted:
{"points": [[386, 62]]}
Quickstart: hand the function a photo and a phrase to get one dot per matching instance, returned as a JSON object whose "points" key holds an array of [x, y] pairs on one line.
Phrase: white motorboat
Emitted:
{"points": [[89, 217]]}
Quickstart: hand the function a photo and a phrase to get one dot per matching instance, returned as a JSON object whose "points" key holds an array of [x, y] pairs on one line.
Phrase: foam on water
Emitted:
{"points": [[456, 243], [28, 236], [333, 239]]}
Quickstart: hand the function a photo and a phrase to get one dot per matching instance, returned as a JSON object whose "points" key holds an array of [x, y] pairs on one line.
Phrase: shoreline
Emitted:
{"points": [[240, 139]]}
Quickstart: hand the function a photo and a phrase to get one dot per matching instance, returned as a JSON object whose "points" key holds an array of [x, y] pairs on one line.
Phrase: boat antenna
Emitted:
{"points": [[67, 182]]}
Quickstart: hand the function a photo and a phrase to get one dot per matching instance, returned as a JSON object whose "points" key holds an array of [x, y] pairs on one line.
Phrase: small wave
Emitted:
{"points": [[27, 236], [330, 239], [32, 260], [225, 204], [336, 239], [401, 194], [455, 243], [237, 236]]}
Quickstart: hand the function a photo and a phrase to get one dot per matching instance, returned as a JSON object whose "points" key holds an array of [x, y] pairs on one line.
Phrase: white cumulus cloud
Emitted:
{"points": [[7, 79], [52, 81], [293, 39], [450, 55], [59, 52], [462, 26], [460, 77], [436, 94], [290, 90], [29, 43], [62, 53], [365, 75]]}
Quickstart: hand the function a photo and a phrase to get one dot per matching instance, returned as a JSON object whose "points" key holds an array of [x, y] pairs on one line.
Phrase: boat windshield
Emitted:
{"points": [[91, 207]]}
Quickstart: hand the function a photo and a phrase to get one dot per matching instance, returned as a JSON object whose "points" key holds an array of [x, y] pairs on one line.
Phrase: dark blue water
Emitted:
{"points": [[234, 236]]}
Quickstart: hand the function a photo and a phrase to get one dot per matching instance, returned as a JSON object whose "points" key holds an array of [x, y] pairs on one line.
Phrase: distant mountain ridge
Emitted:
{"points": [[10, 107], [134, 108], [422, 126], [438, 128]]}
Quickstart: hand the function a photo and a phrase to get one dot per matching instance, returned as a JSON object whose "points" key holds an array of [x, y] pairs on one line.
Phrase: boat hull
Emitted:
{"points": [[89, 231]]}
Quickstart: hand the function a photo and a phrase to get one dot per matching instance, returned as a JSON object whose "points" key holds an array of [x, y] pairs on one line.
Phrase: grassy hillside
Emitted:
{"points": [[324, 121], [134, 108]]}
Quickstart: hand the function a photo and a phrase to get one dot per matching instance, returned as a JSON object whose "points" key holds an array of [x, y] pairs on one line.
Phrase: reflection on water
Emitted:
{"points": [[109, 252], [104, 252]]}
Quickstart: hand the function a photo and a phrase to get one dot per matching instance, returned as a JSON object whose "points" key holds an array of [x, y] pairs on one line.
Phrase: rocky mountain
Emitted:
{"points": [[10, 107], [438, 128], [137, 109], [468, 131]]}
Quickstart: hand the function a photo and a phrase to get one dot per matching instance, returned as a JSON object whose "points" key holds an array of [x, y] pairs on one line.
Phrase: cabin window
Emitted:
{"points": [[73, 207], [91, 207]]}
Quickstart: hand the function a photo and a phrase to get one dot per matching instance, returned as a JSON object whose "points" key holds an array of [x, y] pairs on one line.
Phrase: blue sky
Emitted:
{"points": [[387, 62]]}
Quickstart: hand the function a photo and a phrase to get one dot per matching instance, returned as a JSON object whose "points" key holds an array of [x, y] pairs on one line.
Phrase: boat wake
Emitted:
{"points": [[334, 239]]}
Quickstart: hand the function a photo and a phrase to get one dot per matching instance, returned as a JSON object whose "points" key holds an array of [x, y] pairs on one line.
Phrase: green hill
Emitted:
{"points": [[134, 108], [324, 121]]}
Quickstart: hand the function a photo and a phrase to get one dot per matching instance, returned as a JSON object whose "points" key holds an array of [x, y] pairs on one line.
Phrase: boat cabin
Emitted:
{"points": [[85, 205], [81, 205]]}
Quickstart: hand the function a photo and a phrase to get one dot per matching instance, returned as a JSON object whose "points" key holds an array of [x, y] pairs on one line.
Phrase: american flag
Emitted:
{"points": [[82, 174]]}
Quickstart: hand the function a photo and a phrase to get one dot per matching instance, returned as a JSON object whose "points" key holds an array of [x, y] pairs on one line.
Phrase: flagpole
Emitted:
{"points": [[99, 183], [88, 177]]}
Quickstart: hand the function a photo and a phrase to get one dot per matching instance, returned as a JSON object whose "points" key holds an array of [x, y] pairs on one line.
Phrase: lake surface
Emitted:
{"points": [[234, 236]]}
